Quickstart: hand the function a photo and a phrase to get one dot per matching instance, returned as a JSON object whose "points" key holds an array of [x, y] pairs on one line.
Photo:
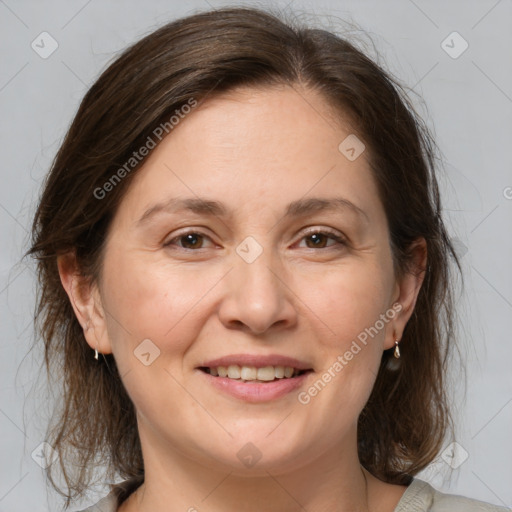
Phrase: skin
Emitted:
{"points": [[256, 150]]}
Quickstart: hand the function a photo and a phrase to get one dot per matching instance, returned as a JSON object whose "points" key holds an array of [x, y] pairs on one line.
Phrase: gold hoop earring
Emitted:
{"points": [[397, 350]]}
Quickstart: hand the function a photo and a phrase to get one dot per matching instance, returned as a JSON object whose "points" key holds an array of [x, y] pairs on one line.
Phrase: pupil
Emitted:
{"points": [[192, 239], [317, 239]]}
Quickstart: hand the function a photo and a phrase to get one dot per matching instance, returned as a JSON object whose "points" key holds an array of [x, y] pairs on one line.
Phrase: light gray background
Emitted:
{"points": [[469, 106]]}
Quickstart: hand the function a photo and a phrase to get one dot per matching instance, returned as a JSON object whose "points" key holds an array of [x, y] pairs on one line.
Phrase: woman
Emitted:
{"points": [[246, 278]]}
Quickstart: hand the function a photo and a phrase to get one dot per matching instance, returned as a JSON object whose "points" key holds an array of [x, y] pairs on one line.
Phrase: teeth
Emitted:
{"points": [[245, 373], [248, 373], [267, 373], [234, 371]]}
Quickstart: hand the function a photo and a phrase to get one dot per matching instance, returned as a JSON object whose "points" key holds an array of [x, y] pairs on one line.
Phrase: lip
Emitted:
{"points": [[256, 392], [258, 361]]}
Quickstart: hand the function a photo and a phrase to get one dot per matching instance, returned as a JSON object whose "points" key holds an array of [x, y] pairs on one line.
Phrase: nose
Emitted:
{"points": [[257, 297]]}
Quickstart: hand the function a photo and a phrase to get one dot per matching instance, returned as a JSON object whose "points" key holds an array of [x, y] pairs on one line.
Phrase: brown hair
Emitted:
{"points": [[405, 421]]}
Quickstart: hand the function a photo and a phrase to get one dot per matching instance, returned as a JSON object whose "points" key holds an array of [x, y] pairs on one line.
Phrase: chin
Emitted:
{"points": [[258, 455]]}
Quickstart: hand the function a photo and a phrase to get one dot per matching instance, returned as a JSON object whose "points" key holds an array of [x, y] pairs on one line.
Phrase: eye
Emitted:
{"points": [[319, 238], [315, 239], [190, 240]]}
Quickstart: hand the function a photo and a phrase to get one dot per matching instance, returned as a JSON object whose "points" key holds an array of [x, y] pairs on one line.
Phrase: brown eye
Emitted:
{"points": [[189, 241], [320, 239]]}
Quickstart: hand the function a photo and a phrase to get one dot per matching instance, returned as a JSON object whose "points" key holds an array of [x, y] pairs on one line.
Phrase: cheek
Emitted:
{"points": [[346, 301], [156, 301], [352, 303], [160, 303]]}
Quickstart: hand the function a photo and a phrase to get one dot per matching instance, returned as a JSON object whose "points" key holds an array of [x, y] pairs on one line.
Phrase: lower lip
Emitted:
{"points": [[257, 392]]}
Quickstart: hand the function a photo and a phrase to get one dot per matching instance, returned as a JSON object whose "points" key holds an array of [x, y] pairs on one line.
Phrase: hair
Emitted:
{"points": [[405, 421]]}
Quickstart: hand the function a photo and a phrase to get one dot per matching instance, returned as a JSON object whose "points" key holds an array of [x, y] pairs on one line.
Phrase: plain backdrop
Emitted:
{"points": [[467, 93]]}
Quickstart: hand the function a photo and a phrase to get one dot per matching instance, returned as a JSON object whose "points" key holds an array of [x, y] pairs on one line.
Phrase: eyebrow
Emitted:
{"points": [[205, 206]]}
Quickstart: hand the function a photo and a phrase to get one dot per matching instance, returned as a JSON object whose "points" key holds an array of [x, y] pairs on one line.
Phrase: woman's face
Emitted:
{"points": [[250, 235]]}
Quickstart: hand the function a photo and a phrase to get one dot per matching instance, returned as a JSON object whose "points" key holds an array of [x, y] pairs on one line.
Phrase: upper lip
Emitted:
{"points": [[258, 361]]}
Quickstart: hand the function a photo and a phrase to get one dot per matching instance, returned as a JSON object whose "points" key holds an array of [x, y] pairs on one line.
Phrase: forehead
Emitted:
{"points": [[272, 119], [267, 145]]}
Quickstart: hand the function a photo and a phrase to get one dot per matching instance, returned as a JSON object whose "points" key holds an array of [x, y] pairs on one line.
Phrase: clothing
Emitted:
{"points": [[419, 496]]}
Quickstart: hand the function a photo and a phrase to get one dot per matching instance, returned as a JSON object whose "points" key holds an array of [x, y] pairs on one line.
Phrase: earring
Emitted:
{"points": [[397, 350], [86, 328]]}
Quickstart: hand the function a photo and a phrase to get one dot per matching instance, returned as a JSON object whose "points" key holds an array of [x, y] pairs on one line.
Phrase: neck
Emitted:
{"points": [[330, 482]]}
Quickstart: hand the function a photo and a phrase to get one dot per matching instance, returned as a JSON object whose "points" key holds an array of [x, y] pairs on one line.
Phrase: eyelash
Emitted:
{"points": [[326, 232]]}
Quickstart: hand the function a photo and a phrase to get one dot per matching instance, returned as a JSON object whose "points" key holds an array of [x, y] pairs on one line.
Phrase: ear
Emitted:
{"points": [[85, 298], [406, 291]]}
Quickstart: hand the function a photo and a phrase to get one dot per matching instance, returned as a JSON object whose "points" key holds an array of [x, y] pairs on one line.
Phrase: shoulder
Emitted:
{"points": [[107, 504], [420, 496], [117, 495]]}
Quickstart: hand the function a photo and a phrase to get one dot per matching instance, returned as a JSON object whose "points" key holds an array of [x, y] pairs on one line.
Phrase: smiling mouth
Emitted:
{"points": [[254, 374]]}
